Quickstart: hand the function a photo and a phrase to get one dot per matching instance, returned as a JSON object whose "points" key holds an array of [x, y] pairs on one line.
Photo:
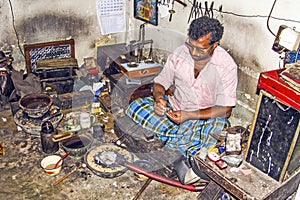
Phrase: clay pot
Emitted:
{"points": [[35, 105]]}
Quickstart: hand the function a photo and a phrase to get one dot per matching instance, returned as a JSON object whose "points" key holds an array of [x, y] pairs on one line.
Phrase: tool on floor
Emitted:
{"points": [[61, 159], [2, 151], [142, 189], [69, 174]]}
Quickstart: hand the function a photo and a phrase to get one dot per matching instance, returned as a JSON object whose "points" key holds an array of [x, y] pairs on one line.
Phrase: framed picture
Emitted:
{"points": [[146, 10]]}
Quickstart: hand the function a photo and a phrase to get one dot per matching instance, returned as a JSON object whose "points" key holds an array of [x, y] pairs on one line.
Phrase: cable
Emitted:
{"points": [[261, 16], [252, 16], [269, 18], [13, 22]]}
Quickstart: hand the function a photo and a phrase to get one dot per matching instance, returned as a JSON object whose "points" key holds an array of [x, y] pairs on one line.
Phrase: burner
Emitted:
{"points": [[33, 125], [107, 160]]}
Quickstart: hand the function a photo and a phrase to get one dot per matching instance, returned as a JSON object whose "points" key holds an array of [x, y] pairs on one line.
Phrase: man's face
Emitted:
{"points": [[200, 49]]}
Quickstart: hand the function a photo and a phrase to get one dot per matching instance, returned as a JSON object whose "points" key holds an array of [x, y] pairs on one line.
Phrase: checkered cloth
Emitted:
{"points": [[188, 137]]}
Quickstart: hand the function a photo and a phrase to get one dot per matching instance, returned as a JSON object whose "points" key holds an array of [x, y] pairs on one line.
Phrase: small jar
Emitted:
{"points": [[47, 132]]}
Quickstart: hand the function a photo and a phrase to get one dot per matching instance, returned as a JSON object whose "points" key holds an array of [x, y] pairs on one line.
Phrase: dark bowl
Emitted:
{"points": [[35, 105], [78, 144]]}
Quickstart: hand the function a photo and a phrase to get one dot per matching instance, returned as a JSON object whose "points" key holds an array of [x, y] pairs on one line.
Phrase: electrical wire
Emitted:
{"points": [[223, 12], [253, 16], [269, 18], [13, 23]]}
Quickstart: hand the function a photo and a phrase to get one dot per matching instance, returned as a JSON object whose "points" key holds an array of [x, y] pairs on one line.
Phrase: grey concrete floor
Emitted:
{"points": [[23, 178]]}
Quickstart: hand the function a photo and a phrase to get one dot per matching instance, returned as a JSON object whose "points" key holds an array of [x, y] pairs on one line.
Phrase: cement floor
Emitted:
{"points": [[23, 178]]}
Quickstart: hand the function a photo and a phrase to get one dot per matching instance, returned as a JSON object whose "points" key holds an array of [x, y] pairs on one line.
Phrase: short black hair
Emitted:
{"points": [[205, 25]]}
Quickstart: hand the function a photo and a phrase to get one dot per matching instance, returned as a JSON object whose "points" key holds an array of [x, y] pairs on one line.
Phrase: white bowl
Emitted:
{"points": [[49, 162]]}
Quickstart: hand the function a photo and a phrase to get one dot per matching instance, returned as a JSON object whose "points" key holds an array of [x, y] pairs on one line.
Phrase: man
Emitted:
{"points": [[204, 78]]}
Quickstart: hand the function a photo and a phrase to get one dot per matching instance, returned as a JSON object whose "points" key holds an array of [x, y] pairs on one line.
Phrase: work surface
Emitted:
{"points": [[23, 178]]}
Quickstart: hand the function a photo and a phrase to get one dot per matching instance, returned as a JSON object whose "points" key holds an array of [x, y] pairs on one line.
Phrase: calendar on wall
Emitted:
{"points": [[111, 16]]}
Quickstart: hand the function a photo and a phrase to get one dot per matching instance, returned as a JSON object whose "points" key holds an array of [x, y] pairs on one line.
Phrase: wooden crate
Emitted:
{"points": [[47, 50]]}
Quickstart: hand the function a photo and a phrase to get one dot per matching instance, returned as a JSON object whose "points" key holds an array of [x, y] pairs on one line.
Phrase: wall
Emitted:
{"points": [[246, 36]]}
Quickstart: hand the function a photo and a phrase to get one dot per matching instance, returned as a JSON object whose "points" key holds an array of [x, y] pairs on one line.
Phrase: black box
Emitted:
{"points": [[274, 142], [57, 74]]}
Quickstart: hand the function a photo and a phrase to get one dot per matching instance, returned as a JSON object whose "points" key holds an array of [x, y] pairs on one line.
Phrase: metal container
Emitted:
{"points": [[47, 132]]}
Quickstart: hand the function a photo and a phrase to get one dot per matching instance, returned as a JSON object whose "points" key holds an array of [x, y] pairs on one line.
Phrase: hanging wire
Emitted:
{"points": [[269, 18], [13, 23]]}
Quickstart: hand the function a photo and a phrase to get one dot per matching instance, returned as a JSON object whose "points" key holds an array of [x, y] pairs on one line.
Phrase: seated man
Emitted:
{"points": [[204, 78]]}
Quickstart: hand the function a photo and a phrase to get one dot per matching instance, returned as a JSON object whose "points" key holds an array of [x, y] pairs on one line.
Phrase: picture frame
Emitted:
{"points": [[147, 11]]}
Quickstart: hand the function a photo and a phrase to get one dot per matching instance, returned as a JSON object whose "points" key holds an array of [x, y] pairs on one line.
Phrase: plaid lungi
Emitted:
{"points": [[188, 137]]}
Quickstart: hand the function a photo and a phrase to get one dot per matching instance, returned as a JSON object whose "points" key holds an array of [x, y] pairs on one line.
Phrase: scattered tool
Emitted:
{"points": [[62, 136], [69, 174], [62, 158], [2, 151], [142, 189]]}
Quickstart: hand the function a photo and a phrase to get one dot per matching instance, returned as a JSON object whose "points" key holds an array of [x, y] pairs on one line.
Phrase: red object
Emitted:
{"points": [[163, 179], [271, 82]]}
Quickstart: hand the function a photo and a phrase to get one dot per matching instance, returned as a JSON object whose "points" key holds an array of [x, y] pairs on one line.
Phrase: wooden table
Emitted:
{"points": [[256, 186]]}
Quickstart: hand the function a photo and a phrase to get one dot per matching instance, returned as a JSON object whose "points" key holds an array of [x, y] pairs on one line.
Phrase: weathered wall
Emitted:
{"points": [[246, 35]]}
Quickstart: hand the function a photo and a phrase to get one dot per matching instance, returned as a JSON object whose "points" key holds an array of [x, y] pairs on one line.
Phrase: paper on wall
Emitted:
{"points": [[111, 16]]}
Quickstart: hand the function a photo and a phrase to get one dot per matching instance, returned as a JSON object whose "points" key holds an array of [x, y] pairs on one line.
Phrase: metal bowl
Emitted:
{"points": [[78, 144], [35, 105]]}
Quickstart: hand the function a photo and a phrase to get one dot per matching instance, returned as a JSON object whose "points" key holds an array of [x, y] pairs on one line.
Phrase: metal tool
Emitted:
{"points": [[200, 8], [196, 10], [142, 189], [69, 174], [219, 15], [192, 10], [181, 2], [206, 13], [211, 9], [171, 11]]}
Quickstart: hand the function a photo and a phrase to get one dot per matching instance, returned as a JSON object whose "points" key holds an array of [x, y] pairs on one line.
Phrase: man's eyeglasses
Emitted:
{"points": [[198, 49]]}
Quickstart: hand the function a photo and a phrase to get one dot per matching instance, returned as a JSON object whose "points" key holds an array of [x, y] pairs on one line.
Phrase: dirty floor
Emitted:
{"points": [[23, 178]]}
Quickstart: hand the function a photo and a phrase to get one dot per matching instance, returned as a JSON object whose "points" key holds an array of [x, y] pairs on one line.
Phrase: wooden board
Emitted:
{"points": [[47, 50], [273, 137], [256, 186]]}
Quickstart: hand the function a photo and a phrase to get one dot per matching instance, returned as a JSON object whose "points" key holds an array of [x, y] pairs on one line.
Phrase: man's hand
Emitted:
{"points": [[178, 116], [160, 106]]}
